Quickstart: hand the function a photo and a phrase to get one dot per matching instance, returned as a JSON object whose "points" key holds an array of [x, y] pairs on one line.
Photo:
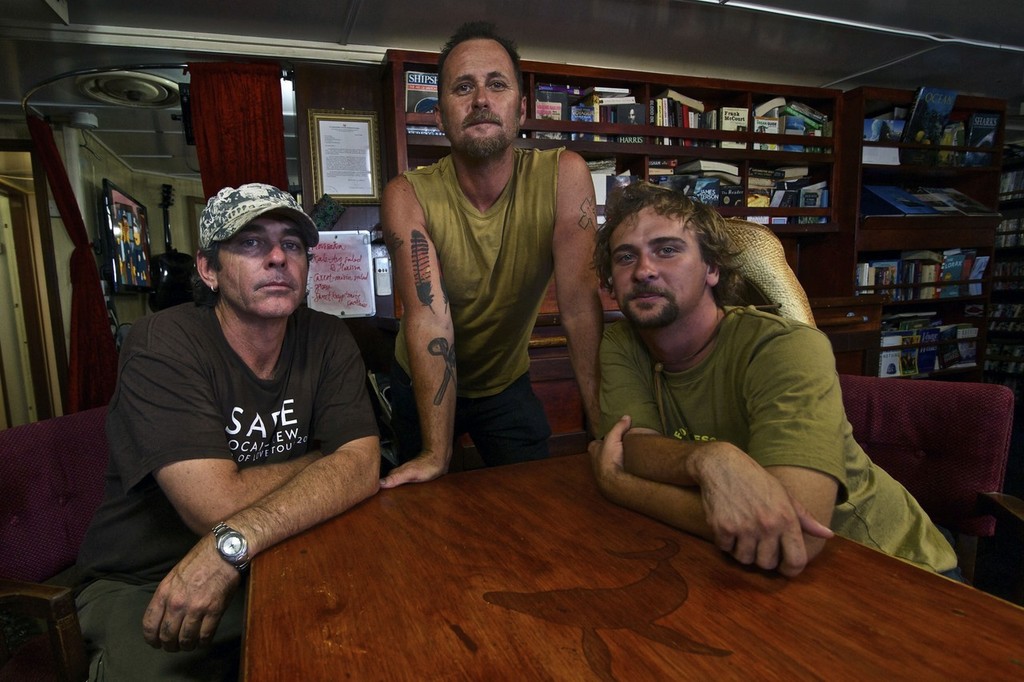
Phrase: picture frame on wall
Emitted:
{"points": [[345, 153]]}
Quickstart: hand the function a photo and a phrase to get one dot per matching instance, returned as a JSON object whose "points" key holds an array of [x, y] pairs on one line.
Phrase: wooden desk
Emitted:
{"points": [[526, 573]]}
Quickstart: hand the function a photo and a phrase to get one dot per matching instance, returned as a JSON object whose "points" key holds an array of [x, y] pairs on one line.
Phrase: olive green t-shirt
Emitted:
{"points": [[496, 266], [770, 387]]}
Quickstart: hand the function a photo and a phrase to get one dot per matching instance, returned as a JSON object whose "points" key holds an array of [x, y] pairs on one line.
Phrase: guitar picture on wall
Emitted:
{"points": [[172, 270]]}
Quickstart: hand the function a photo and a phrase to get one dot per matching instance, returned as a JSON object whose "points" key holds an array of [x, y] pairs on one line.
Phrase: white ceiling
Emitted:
{"points": [[977, 49]]}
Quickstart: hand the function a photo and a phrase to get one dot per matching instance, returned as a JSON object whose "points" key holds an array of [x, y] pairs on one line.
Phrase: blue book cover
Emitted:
{"points": [[891, 200], [928, 355]]}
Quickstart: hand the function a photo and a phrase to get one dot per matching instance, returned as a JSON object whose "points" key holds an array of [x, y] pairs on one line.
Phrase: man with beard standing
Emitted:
{"points": [[497, 222], [725, 421]]}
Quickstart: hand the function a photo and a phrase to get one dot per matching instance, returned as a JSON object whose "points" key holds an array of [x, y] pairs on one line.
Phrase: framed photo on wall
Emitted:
{"points": [[346, 155]]}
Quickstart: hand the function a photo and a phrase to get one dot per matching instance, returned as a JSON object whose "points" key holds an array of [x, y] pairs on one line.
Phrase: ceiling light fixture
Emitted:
{"points": [[130, 88]]}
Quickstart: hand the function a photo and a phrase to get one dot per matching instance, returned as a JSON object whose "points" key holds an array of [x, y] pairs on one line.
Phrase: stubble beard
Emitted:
{"points": [[486, 147], [666, 315]]}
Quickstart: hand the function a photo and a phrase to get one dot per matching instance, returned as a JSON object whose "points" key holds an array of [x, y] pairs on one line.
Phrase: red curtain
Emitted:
{"points": [[239, 124], [92, 365]]}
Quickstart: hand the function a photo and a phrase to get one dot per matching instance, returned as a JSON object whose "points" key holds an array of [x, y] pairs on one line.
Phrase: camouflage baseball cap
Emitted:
{"points": [[232, 209]]}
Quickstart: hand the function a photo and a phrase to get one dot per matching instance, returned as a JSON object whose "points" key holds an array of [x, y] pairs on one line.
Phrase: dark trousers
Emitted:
{"points": [[506, 428]]}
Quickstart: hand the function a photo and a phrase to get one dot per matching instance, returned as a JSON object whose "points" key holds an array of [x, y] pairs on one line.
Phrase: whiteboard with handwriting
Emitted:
{"points": [[341, 275]]}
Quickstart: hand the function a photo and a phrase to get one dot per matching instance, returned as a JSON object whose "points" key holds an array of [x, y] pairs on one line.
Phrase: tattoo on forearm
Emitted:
{"points": [[587, 213], [420, 248], [440, 348]]}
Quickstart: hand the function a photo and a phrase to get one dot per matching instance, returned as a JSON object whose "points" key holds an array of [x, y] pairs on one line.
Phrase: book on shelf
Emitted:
{"points": [[612, 100], [572, 92], [814, 195], [967, 344], [614, 183], [958, 200], [785, 198], [977, 273], [758, 197], [792, 125], [937, 204], [886, 276], [581, 112], [951, 270], [551, 105], [889, 357], [910, 341], [733, 119], [929, 115], [731, 196], [685, 100], [807, 111], [423, 130], [891, 200], [599, 170], [766, 125], [949, 348], [883, 130], [981, 132], [420, 92], [770, 108], [952, 136], [706, 165], [928, 353], [603, 91]]}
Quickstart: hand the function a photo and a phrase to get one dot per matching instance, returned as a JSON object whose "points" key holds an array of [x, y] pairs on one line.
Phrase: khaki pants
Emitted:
{"points": [[111, 616]]}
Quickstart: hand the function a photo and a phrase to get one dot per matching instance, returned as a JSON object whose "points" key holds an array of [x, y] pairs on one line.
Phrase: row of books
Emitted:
{"points": [[611, 104], [1005, 350], [893, 200], [1009, 268], [1008, 310], [1010, 232], [1011, 184], [924, 345], [720, 184], [923, 275]]}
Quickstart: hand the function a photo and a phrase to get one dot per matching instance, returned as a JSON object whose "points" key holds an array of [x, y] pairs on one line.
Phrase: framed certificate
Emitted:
{"points": [[346, 155]]}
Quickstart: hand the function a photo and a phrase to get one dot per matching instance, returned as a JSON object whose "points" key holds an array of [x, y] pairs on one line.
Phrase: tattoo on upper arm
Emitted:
{"points": [[420, 248], [393, 242], [440, 348], [587, 213]]}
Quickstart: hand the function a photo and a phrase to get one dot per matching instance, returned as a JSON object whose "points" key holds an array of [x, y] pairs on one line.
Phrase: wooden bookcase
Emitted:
{"points": [[876, 237], [1004, 356], [410, 150]]}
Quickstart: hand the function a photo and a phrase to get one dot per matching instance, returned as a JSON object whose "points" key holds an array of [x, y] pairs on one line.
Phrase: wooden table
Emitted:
{"points": [[525, 572]]}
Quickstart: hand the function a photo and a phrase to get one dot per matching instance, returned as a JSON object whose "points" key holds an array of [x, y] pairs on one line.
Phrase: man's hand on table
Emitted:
{"points": [[426, 467], [751, 514], [747, 511], [188, 604]]}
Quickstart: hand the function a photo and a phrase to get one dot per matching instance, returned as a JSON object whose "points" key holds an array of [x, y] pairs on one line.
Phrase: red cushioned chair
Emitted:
{"points": [[947, 442], [52, 482]]}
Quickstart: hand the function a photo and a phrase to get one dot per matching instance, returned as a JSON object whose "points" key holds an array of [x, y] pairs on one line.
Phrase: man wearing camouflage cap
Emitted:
{"points": [[245, 413]]}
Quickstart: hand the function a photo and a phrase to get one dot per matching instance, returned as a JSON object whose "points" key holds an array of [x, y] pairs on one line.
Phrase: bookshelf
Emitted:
{"points": [[655, 143], [1004, 353], [879, 235]]}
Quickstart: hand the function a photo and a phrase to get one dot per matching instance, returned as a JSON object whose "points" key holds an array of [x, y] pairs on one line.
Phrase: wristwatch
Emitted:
{"points": [[232, 546]]}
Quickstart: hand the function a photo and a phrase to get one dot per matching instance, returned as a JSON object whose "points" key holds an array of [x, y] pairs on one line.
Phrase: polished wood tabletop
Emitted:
{"points": [[525, 572]]}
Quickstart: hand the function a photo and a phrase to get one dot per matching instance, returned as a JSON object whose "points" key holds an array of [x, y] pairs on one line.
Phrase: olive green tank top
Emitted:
{"points": [[496, 266]]}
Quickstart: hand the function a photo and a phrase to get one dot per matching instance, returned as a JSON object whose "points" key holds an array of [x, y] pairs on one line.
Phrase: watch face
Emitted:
{"points": [[232, 545]]}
